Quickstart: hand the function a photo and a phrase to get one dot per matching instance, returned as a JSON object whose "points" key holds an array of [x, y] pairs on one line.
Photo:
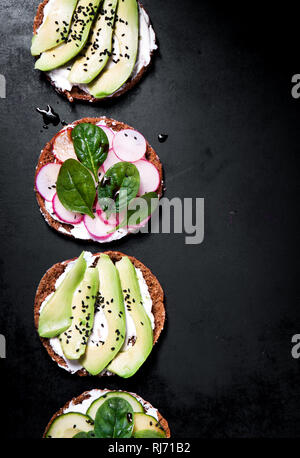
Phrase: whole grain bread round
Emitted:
{"points": [[76, 93], [47, 157], [86, 395], [47, 286]]}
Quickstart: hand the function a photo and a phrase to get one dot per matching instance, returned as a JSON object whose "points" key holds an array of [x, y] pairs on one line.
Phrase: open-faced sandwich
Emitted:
{"points": [[107, 414], [98, 179], [99, 314], [92, 49]]}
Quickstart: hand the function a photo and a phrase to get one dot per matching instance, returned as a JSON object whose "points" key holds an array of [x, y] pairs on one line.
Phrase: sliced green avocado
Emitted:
{"points": [[74, 339], [69, 424], [55, 27], [78, 35], [126, 36], [127, 362], [99, 354], [98, 51], [147, 426], [135, 404], [55, 316]]}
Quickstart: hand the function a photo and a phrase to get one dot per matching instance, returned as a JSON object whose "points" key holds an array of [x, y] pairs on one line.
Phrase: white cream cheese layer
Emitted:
{"points": [[147, 44], [95, 394], [100, 329]]}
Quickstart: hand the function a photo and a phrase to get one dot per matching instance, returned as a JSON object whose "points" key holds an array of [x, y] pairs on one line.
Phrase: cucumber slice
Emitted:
{"points": [[69, 424], [135, 404], [147, 426]]}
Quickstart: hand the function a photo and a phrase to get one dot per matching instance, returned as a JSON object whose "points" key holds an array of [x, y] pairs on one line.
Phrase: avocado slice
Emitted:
{"points": [[135, 404], [80, 28], [147, 426], [69, 424], [55, 27], [125, 37], [98, 354], [98, 51], [55, 316], [74, 339], [127, 362]]}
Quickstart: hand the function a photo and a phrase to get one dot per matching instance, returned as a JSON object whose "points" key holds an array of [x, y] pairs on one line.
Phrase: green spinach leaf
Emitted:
{"points": [[76, 188], [148, 433], [139, 209], [91, 145], [114, 419], [120, 183], [81, 435]]}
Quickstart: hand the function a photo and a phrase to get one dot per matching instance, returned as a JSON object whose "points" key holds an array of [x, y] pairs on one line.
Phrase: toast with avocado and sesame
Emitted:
{"points": [[124, 321], [102, 48], [84, 412], [64, 150]]}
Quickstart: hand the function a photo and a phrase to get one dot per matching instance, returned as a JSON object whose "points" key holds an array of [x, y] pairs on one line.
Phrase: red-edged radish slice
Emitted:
{"points": [[46, 179], [111, 160], [63, 148], [138, 226], [97, 228], [113, 220], [63, 214], [149, 176], [109, 133], [129, 145]]}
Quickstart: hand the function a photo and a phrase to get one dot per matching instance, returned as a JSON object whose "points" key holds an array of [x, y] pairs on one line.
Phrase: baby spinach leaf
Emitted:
{"points": [[81, 435], [76, 188], [139, 209], [121, 183], [148, 433], [114, 419], [84, 435], [91, 145]]}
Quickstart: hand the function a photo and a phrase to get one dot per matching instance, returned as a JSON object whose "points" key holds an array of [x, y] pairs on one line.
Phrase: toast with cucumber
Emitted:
{"points": [[92, 50], [92, 174], [99, 314], [107, 414]]}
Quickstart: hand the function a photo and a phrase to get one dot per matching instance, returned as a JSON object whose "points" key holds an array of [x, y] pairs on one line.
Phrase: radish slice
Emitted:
{"points": [[113, 220], [111, 160], [97, 228], [63, 148], [109, 133], [46, 179], [63, 214], [149, 176], [129, 145]]}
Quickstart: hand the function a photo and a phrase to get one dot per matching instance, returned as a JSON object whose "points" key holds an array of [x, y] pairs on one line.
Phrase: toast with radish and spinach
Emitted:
{"points": [[92, 49], [107, 414], [98, 179], [99, 314]]}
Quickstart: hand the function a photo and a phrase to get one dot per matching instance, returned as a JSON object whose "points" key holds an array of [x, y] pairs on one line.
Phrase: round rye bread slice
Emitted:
{"points": [[47, 157], [87, 394], [47, 286], [76, 93]]}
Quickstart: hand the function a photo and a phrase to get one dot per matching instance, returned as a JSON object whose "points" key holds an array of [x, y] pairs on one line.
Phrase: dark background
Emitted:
{"points": [[220, 88]]}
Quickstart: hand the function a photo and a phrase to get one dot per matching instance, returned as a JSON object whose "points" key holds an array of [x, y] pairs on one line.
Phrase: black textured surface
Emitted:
{"points": [[220, 88]]}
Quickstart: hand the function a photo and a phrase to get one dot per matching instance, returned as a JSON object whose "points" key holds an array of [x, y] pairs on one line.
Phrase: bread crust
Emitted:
{"points": [[76, 93], [47, 286], [47, 157], [86, 395]]}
